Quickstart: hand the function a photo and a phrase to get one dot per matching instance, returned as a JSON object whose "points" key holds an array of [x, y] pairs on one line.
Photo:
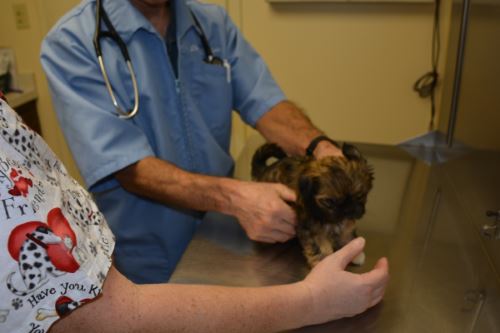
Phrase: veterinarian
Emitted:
{"points": [[151, 136], [65, 261]]}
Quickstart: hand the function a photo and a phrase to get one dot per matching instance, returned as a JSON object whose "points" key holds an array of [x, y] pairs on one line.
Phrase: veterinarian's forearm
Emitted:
{"points": [[286, 125], [164, 182], [125, 307]]}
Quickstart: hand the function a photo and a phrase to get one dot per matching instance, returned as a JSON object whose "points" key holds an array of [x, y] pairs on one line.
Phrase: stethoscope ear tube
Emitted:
{"points": [[97, 46]]}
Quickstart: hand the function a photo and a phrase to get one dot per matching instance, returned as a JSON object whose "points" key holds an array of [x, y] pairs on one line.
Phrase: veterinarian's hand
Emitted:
{"points": [[337, 293], [325, 148], [262, 211]]}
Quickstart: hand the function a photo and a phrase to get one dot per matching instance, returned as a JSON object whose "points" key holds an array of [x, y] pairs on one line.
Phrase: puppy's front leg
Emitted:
{"points": [[315, 244]]}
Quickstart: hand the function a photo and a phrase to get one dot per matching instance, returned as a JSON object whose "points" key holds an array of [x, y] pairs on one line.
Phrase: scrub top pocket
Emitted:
{"points": [[213, 94]]}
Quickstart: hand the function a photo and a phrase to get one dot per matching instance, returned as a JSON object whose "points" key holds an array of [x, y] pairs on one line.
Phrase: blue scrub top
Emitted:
{"points": [[186, 121]]}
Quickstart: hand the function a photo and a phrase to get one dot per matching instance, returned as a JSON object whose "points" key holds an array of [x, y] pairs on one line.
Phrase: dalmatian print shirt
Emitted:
{"points": [[55, 246]]}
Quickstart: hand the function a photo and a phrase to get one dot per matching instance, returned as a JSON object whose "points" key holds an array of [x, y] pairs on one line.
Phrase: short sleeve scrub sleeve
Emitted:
{"points": [[55, 246]]}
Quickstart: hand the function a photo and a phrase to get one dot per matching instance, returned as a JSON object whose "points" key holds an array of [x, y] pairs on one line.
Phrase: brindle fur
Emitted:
{"points": [[331, 194]]}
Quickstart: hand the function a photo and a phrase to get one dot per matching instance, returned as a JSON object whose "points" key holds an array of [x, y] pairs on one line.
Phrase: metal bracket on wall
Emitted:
{"points": [[433, 148]]}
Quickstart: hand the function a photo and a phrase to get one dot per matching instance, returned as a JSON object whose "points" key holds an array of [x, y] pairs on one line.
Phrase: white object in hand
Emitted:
{"points": [[359, 259]]}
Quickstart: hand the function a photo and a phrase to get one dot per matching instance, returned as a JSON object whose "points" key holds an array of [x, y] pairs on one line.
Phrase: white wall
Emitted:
{"points": [[351, 66]]}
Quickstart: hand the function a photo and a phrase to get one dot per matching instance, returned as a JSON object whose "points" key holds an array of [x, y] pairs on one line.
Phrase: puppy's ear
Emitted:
{"points": [[308, 188], [352, 153]]}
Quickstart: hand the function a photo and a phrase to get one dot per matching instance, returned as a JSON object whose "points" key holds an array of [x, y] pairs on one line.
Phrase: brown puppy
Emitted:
{"points": [[331, 195]]}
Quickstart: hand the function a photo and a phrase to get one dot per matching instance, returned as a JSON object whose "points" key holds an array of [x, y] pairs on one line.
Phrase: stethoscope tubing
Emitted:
{"points": [[111, 33], [122, 113]]}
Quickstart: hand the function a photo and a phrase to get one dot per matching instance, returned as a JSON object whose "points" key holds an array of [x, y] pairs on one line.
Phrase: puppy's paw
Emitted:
{"points": [[359, 260]]}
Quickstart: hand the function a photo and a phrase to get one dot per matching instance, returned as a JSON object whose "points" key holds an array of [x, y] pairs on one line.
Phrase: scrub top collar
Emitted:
{"points": [[127, 20]]}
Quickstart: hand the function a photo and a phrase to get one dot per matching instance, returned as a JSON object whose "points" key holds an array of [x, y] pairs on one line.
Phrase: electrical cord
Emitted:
{"points": [[425, 86]]}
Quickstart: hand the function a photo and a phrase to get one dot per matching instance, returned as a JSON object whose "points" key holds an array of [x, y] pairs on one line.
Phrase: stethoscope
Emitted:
{"points": [[111, 33]]}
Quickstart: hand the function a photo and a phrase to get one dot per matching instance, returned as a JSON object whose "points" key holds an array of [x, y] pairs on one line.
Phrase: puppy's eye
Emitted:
{"points": [[329, 203]]}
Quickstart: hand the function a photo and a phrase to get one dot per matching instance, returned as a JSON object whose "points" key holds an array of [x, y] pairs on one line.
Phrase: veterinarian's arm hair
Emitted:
{"points": [[255, 205], [288, 126], [160, 180], [166, 183]]}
